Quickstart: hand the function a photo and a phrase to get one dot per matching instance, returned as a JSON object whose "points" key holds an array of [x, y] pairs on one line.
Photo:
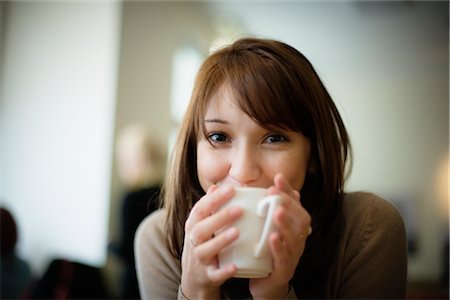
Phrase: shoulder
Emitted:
{"points": [[372, 250], [152, 227], [158, 271], [150, 237], [363, 206], [368, 215], [357, 201]]}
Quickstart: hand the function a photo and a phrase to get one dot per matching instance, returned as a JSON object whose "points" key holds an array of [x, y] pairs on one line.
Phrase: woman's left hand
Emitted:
{"points": [[287, 244]]}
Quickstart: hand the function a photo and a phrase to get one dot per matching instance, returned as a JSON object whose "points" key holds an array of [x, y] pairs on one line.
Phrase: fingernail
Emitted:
{"points": [[235, 211], [211, 188], [272, 190], [226, 189], [232, 233], [231, 268]]}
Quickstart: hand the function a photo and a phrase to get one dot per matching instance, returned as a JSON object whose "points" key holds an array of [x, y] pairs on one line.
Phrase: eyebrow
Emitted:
{"points": [[216, 121]]}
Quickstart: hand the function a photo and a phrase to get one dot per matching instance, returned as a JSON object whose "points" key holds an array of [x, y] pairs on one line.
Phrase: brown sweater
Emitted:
{"points": [[371, 261]]}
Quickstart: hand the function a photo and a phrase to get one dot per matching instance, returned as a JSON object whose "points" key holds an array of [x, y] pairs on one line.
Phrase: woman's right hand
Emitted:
{"points": [[201, 275]]}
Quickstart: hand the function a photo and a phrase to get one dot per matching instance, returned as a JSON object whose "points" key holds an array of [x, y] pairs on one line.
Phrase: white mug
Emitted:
{"points": [[250, 252]]}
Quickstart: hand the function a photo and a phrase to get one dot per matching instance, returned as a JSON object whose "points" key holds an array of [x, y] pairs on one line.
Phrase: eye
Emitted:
{"points": [[275, 138], [217, 137]]}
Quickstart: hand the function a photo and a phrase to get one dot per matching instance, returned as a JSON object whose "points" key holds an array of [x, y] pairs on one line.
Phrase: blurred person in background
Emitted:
{"points": [[15, 272], [140, 164]]}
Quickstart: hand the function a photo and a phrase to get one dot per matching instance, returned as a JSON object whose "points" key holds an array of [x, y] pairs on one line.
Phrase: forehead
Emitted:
{"points": [[223, 99]]}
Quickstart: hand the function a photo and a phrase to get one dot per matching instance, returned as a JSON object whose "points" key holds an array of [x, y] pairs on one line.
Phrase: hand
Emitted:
{"points": [[286, 244], [201, 276]]}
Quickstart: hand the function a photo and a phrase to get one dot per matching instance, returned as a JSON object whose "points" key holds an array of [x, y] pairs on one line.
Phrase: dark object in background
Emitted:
{"points": [[135, 207], [8, 232], [70, 280], [15, 272], [445, 265]]}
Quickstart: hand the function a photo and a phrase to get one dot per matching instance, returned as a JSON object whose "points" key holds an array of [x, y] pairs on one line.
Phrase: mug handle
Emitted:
{"points": [[266, 208]]}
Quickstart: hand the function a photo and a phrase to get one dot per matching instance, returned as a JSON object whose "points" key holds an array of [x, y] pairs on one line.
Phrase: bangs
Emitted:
{"points": [[268, 92]]}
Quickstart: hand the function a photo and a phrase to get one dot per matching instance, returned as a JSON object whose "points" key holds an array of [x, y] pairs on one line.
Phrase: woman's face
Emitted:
{"points": [[239, 152]]}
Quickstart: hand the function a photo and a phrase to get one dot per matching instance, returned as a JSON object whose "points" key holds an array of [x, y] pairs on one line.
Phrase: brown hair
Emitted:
{"points": [[276, 86]]}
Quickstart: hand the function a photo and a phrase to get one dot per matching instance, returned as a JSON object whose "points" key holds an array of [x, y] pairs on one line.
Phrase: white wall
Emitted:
{"points": [[58, 86]]}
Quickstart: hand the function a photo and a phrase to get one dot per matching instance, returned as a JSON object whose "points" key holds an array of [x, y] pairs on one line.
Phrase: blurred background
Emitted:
{"points": [[75, 75]]}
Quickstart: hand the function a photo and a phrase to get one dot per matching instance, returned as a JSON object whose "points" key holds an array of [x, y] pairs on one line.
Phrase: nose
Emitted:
{"points": [[244, 165]]}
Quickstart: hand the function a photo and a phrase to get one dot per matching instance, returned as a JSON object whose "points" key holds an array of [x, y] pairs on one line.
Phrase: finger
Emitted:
{"points": [[289, 200], [219, 275], [283, 184], [295, 210], [207, 227], [208, 204], [285, 228], [282, 259], [293, 231], [299, 221], [211, 189], [210, 249]]}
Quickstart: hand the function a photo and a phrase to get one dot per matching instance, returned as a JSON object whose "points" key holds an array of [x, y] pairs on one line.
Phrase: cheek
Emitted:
{"points": [[294, 169], [211, 166], [296, 178]]}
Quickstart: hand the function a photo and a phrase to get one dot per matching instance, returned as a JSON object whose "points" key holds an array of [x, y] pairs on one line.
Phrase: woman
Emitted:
{"points": [[260, 116], [140, 167]]}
